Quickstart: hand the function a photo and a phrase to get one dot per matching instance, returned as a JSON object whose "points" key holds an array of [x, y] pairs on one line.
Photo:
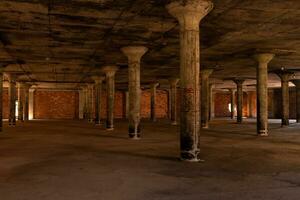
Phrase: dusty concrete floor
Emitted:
{"points": [[72, 160]]}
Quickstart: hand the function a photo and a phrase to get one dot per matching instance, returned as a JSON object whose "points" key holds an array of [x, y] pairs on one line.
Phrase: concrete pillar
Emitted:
{"points": [[153, 100], [134, 55], [31, 103], [12, 99], [173, 100], [90, 104], [86, 102], [232, 103], [81, 103], [239, 84], [205, 97], [189, 14], [297, 84], [285, 77], [1, 97], [26, 102], [211, 102], [127, 104], [20, 101], [98, 93], [110, 72], [262, 92]]}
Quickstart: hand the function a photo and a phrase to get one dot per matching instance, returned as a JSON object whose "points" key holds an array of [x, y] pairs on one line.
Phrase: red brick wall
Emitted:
{"points": [[5, 104], [161, 104], [221, 104], [55, 104], [119, 111]]}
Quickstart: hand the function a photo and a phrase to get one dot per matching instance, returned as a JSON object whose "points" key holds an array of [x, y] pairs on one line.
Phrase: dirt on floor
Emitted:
{"points": [[75, 160]]}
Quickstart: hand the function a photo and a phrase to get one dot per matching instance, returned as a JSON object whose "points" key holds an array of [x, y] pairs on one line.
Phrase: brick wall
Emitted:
{"points": [[55, 104]]}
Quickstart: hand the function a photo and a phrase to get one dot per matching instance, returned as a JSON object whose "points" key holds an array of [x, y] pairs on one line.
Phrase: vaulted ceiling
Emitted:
{"points": [[66, 41]]}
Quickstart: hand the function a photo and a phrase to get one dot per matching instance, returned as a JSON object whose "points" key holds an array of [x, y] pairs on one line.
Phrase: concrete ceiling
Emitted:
{"points": [[65, 41]]}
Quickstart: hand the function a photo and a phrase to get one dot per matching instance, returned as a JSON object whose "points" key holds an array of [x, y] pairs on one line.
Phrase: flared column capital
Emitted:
{"points": [[134, 52], [110, 70], [285, 76], [174, 81], [238, 81], [189, 12], [205, 73], [98, 79], [264, 58], [154, 85]]}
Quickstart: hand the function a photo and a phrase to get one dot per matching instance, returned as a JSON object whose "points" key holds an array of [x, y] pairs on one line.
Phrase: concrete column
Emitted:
{"points": [[250, 104], [26, 102], [189, 14], [20, 101], [211, 102], [297, 84], [86, 102], [153, 100], [12, 99], [173, 100], [232, 103], [1, 97], [90, 97], [31, 103], [134, 55], [262, 92], [205, 98], [110, 72], [239, 83], [98, 93], [285, 77], [127, 104]]}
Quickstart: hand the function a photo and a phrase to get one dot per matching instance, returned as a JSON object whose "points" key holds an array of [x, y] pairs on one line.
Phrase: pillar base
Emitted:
{"points": [[135, 136], [190, 156], [174, 123], [262, 133], [110, 129]]}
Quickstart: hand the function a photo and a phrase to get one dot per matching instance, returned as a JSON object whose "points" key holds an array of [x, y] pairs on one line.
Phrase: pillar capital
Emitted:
{"points": [[205, 73], [239, 81], [173, 81], [134, 52], [189, 12], [154, 85], [285, 76], [264, 58], [98, 79], [110, 70], [12, 77]]}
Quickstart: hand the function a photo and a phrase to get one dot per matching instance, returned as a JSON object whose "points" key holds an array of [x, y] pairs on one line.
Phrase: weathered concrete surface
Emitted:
{"points": [[72, 160], [262, 92]]}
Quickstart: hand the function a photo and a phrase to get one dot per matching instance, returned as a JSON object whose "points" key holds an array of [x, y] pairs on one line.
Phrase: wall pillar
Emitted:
{"points": [[31, 103], [134, 55], [26, 102], [153, 88], [285, 77], [205, 97], [110, 72], [90, 100], [262, 92], [297, 84], [232, 103], [12, 99], [2, 67], [189, 14], [173, 100], [239, 83], [20, 101], [211, 102]]}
